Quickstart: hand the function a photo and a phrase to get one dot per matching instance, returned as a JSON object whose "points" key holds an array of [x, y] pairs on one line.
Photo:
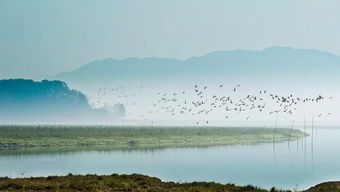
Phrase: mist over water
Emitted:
{"points": [[143, 103], [241, 87], [111, 86], [140, 84]]}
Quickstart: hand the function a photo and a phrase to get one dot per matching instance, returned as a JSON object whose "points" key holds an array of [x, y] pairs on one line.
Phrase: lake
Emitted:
{"points": [[297, 165]]}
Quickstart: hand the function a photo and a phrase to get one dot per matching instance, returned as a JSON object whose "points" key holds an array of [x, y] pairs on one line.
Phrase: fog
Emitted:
{"points": [[144, 105], [222, 88], [299, 84], [29, 102]]}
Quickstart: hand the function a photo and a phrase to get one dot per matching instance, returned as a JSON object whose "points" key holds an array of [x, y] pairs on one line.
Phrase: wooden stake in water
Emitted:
{"points": [[297, 142], [305, 141], [274, 135], [290, 134], [312, 142]]}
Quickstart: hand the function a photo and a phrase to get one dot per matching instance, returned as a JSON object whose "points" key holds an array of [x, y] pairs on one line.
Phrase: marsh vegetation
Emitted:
{"points": [[135, 137], [132, 183]]}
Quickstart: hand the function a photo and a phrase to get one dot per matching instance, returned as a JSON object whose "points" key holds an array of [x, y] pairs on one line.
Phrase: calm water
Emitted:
{"points": [[296, 166]]}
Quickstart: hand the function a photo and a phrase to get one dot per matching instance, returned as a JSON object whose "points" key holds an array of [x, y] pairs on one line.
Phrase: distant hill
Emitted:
{"points": [[279, 70], [275, 63], [23, 100]]}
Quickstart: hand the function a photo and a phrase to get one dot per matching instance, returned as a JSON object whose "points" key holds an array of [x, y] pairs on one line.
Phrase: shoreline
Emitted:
{"points": [[133, 182]]}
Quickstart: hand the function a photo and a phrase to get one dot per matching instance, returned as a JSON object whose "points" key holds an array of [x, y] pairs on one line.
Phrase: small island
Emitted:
{"points": [[122, 137]]}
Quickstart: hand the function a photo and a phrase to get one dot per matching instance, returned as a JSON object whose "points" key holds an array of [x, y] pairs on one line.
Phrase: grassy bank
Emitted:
{"points": [[108, 137], [132, 183]]}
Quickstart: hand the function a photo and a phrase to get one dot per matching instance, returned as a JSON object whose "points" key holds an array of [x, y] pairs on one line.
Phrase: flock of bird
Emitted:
{"points": [[199, 101], [98, 100], [255, 102]]}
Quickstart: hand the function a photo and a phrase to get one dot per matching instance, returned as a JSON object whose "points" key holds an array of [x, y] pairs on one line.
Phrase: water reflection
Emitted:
{"points": [[314, 160]]}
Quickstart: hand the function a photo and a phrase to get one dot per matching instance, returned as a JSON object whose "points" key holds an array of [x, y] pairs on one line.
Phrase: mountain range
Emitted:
{"points": [[272, 64]]}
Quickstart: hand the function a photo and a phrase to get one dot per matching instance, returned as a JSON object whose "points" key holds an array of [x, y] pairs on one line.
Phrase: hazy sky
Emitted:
{"points": [[40, 38]]}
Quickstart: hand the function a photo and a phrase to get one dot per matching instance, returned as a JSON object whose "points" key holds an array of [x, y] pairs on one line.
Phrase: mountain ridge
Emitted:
{"points": [[272, 61]]}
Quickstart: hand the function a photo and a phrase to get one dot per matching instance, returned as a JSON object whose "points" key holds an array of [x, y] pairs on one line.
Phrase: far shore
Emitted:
{"points": [[56, 137]]}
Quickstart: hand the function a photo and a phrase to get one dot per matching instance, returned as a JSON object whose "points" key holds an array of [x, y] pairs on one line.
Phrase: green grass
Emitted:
{"points": [[133, 183], [333, 186], [106, 137]]}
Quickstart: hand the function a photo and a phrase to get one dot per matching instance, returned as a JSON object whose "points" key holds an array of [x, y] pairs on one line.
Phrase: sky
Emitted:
{"points": [[40, 38]]}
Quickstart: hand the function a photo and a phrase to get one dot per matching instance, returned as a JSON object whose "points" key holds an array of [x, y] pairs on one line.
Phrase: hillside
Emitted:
{"points": [[24, 101], [275, 63]]}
